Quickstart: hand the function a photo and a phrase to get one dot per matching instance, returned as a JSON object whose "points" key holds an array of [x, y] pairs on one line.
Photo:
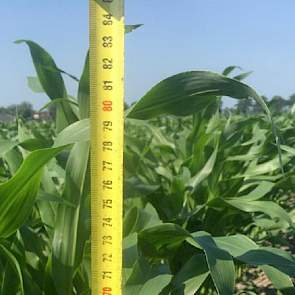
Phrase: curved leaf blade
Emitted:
{"points": [[220, 264], [191, 276], [17, 195], [74, 133], [190, 92], [12, 261], [51, 81]]}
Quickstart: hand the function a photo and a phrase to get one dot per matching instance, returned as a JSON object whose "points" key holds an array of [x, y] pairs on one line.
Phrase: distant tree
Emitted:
{"points": [[11, 109], [24, 110], [5, 116], [244, 106], [256, 107], [278, 104], [3, 110]]}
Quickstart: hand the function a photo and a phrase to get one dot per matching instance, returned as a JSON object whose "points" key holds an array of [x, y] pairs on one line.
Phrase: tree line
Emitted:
{"points": [[23, 109], [277, 104]]}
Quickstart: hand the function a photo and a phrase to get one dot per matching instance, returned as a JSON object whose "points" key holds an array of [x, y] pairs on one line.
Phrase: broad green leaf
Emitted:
{"points": [[191, 276], [155, 285], [6, 146], [130, 256], [14, 159], [236, 245], [190, 92], [23, 133], [52, 82], [244, 249], [137, 219], [33, 144], [157, 241], [267, 167], [277, 258], [65, 241], [259, 192], [76, 132], [84, 224], [280, 280], [220, 264], [142, 272], [18, 194], [267, 207]]}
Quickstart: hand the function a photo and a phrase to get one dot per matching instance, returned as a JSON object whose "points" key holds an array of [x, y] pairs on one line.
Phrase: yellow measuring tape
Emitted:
{"points": [[107, 123]]}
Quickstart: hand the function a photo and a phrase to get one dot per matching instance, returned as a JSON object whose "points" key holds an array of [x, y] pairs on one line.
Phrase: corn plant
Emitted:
{"points": [[202, 191]]}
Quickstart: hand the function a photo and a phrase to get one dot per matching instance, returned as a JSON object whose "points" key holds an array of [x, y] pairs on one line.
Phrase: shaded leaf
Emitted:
{"points": [[13, 263], [191, 276], [220, 264], [155, 285], [157, 241]]}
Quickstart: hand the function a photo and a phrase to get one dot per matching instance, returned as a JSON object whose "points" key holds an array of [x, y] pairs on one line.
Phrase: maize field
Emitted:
{"points": [[209, 196]]}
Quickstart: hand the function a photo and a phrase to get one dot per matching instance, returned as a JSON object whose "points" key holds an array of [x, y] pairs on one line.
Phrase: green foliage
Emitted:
{"points": [[204, 193]]}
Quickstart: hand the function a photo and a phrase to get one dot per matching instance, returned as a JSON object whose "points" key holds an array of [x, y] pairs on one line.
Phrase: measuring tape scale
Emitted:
{"points": [[107, 123]]}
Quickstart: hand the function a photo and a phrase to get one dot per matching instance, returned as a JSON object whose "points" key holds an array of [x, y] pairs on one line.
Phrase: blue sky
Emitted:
{"points": [[177, 36]]}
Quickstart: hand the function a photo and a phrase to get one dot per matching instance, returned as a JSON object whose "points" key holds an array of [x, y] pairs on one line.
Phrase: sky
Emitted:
{"points": [[177, 36]]}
